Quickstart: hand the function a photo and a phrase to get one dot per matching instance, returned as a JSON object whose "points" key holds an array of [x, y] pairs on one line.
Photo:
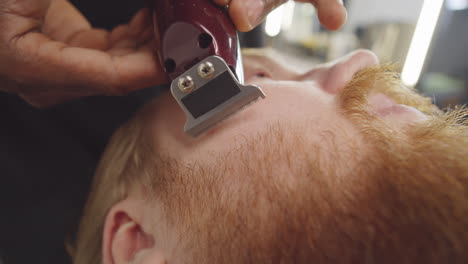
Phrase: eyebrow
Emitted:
{"points": [[267, 54], [265, 58]]}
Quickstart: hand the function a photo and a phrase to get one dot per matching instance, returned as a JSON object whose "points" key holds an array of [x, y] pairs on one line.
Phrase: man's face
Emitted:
{"points": [[297, 138], [306, 102], [329, 168]]}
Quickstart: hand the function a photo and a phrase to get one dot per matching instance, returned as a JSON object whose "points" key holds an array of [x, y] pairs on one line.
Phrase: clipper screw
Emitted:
{"points": [[186, 84], [206, 70]]}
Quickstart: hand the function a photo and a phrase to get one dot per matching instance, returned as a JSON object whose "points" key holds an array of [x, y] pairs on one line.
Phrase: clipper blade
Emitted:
{"points": [[209, 93]]}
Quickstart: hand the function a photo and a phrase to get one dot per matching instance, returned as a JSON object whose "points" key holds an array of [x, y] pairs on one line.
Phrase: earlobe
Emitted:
{"points": [[124, 237]]}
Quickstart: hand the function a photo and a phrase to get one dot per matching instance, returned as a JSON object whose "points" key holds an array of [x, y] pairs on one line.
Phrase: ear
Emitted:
{"points": [[341, 71], [124, 238], [388, 109]]}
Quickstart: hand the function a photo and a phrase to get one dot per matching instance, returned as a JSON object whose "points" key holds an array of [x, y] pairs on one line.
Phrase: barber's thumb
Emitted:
{"points": [[247, 14]]}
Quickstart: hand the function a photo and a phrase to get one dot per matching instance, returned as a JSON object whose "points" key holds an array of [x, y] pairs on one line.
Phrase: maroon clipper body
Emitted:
{"points": [[191, 30], [198, 46]]}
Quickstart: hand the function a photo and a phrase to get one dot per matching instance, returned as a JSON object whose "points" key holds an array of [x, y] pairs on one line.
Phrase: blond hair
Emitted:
{"points": [[122, 160]]}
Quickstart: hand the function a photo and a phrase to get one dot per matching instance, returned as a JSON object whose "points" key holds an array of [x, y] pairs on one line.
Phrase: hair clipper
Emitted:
{"points": [[199, 49]]}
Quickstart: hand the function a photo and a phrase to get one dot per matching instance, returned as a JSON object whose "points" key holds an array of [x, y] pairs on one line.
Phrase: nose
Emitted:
{"points": [[334, 76]]}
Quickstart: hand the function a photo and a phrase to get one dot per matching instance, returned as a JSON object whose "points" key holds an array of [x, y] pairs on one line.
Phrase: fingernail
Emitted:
{"points": [[341, 2], [255, 12]]}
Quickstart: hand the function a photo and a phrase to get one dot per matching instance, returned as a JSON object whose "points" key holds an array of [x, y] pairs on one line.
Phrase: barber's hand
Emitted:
{"points": [[49, 53], [248, 14]]}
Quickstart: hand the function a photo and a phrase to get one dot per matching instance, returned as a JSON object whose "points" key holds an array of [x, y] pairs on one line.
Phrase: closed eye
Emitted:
{"points": [[263, 75]]}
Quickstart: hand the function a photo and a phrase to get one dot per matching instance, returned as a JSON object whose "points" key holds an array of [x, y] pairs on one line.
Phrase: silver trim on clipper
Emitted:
{"points": [[211, 100]]}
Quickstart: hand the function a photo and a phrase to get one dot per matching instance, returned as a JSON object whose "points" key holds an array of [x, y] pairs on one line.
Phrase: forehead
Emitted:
{"points": [[267, 55], [259, 60]]}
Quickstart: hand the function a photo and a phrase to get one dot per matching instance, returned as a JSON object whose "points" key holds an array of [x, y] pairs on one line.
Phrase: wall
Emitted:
{"points": [[365, 12], [449, 53]]}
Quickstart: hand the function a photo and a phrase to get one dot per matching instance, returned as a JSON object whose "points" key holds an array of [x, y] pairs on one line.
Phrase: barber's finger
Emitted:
{"points": [[332, 13], [247, 14]]}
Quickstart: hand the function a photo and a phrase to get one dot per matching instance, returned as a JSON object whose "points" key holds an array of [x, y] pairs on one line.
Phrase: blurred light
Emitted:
{"points": [[273, 22], [457, 4], [288, 15], [421, 41]]}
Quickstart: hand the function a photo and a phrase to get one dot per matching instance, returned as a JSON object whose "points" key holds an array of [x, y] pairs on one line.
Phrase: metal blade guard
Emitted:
{"points": [[197, 45], [209, 92]]}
